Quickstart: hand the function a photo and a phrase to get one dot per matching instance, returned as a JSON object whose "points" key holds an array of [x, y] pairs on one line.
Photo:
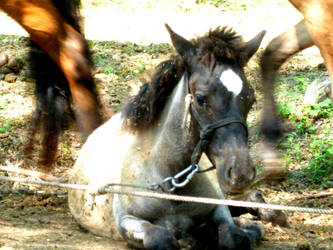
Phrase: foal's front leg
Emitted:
{"points": [[276, 217], [143, 234], [232, 236]]}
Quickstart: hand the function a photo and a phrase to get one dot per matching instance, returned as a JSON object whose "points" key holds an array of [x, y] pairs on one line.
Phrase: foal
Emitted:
{"points": [[196, 102]]}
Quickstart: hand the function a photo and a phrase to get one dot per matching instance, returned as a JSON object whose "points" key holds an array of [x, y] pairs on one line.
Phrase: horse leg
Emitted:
{"points": [[318, 15], [277, 52], [36, 121], [253, 230], [55, 107], [231, 235], [143, 234], [275, 216], [66, 47]]}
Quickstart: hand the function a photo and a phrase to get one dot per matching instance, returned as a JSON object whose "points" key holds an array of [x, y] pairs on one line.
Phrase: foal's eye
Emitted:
{"points": [[200, 99]]}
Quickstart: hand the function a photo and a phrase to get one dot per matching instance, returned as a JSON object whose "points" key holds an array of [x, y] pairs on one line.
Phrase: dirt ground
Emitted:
{"points": [[35, 217]]}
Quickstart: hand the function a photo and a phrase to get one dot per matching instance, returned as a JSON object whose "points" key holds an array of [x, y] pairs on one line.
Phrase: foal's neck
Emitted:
{"points": [[175, 142]]}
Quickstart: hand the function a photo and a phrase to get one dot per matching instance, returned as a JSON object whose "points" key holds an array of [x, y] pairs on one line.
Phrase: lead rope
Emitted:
{"points": [[110, 189]]}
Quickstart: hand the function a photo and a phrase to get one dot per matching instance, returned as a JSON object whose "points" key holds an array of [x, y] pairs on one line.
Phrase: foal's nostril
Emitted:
{"points": [[253, 175], [228, 173]]}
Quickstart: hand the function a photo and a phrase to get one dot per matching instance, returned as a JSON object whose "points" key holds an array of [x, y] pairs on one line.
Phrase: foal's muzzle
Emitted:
{"points": [[229, 153]]}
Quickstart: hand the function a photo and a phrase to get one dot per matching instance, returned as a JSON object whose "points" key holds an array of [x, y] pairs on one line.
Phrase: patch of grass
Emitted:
{"points": [[308, 146], [5, 126], [133, 48], [285, 110], [323, 109], [4, 104], [104, 52], [109, 70], [321, 164]]}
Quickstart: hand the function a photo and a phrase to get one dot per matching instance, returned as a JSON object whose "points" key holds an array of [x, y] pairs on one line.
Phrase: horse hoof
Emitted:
{"points": [[232, 237], [159, 238], [276, 217]]}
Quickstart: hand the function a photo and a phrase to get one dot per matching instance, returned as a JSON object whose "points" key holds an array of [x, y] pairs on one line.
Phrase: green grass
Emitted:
{"points": [[309, 146], [5, 126], [104, 51]]}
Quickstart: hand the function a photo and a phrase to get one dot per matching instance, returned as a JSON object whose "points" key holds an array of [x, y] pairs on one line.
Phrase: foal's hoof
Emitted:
{"points": [[276, 217], [159, 238], [253, 230], [232, 237]]}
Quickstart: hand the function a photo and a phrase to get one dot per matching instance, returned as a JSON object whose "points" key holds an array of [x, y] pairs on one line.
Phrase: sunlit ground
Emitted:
{"points": [[143, 21]]}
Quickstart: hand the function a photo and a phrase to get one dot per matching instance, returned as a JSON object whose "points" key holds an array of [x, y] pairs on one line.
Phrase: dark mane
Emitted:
{"points": [[144, 108], [219, 45], [222, 44]]}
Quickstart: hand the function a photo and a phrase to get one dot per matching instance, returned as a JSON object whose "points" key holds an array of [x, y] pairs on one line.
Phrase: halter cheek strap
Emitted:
{"points": [[206, 131]]}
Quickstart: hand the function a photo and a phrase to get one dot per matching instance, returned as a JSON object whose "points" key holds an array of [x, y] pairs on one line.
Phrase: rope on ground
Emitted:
{"points": [[110, 189], [34, 174]]}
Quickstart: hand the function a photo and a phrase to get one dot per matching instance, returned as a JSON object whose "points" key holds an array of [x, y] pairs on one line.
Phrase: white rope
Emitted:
{"points": [[173, 197]]}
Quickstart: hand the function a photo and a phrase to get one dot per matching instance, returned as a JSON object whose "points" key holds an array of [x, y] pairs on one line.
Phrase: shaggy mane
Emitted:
{"points": [[145, 107], [219, 45]]}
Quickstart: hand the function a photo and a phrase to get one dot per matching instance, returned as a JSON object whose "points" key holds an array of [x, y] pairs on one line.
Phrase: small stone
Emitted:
{"points": [[11, 77], [317, 91]]}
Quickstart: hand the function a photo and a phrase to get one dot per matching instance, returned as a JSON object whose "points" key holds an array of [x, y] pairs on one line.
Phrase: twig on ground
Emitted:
{"points": [[36, 174], [312, 196]]}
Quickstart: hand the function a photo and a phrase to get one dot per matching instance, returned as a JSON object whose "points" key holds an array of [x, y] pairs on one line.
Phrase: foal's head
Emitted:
{"points": [[219, 90]]}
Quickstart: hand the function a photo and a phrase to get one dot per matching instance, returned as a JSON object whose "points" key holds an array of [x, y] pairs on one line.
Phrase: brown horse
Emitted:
{"points": [[53, 31], [314, 29]]}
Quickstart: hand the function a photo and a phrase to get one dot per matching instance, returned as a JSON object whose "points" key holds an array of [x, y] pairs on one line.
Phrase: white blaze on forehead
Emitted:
{"points": [[231, 81]]}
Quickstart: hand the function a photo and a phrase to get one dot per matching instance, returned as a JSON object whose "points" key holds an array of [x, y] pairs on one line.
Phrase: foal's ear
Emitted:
{"points": [[185, 49], [251, 47]]}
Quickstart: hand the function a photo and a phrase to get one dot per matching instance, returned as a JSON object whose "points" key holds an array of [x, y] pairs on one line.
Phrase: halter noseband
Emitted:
{"points": [[206, 131]]}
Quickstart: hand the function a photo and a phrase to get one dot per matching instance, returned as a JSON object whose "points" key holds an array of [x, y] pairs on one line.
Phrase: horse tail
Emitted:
{"points": [[53, 110]]}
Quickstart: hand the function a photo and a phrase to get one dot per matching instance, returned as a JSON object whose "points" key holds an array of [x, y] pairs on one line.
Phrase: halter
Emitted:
{"points": [[206, 131]]}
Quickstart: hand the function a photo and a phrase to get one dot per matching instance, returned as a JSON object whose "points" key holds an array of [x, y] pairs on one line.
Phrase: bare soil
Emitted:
{"points": [[35, 217]]}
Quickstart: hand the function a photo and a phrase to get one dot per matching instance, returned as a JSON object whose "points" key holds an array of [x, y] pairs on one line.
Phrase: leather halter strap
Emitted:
{"points": [[206, 131]]}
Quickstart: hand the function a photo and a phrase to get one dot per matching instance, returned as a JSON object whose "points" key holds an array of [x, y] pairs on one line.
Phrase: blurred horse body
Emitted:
{"points": [[63, 72], [314, 29]]}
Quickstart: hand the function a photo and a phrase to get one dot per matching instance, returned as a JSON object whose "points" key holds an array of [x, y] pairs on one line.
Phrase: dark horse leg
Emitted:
{"points": [[53, 104], [277, 52], [276, 217], [67, 48], [315, 29], [218, 231]]}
